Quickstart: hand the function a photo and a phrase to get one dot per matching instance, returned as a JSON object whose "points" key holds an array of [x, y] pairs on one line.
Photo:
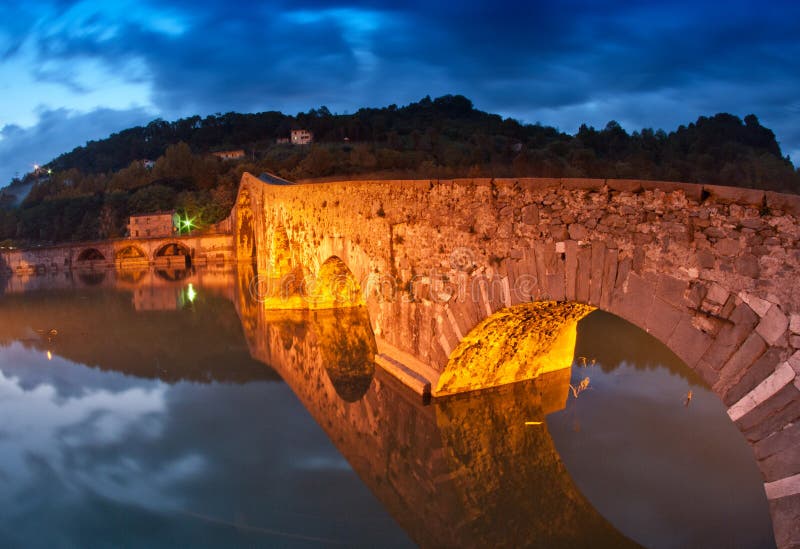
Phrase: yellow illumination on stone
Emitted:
{"points": [[514, 344], [334, 287]]}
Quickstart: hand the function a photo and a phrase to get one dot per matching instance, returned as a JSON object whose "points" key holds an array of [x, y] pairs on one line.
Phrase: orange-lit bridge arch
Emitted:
{"points": [[457, 275]]}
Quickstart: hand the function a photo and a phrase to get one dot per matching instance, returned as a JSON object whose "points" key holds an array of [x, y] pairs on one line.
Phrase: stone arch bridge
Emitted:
{"points": [[475, 283], [172, 252]]}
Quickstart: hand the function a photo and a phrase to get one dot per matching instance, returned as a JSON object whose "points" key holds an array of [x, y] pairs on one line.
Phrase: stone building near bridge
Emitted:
{"points": [[157, 224]]}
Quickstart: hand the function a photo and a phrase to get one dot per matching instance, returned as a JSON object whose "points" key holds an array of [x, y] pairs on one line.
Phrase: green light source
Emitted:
{"points": [[187, 224], [191, 294]]}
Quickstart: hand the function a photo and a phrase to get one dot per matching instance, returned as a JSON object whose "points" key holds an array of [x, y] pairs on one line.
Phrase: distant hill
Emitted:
{"points": [[165, 165]]}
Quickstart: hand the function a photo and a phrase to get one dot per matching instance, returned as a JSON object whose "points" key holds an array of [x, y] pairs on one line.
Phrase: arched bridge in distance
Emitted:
{"points": [[174, 251], [475, 283]]}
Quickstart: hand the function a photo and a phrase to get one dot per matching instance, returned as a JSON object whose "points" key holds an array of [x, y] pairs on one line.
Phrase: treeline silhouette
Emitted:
{"points": [[91, 191]]}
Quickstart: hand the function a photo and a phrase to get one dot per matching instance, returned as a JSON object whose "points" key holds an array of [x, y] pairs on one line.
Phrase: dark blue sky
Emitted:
{"points": [[73, 71]]}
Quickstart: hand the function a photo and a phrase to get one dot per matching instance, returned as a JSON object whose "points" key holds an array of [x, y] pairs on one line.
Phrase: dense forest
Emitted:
{"points": [[90, 192]]}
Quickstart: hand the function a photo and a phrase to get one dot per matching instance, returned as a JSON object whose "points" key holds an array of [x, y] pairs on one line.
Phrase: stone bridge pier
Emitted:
{"points": [[475, 283]]}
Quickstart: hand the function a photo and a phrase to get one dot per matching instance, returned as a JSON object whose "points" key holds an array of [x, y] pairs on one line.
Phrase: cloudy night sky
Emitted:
{"points": [[73, 71]]}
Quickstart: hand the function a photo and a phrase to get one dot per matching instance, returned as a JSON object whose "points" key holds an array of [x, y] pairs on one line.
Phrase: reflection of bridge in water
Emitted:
{"points": [[464, 471], [478, 469]]}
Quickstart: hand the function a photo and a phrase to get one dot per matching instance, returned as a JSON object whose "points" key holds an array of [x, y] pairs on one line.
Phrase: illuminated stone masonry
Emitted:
{"points": [[710, 271]]}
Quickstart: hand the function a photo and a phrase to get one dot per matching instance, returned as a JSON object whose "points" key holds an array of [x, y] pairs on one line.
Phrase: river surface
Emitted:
{"points": [[159, 410]]}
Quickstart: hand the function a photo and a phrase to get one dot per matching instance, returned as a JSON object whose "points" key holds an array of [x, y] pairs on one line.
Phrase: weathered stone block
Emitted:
{"points": [[636, 301], [781, 464], [613, 220], [788, 203], [785, 513], [555, 286], [539, 258], [747, 265], [760, 306], [760, 370], [465, 314], [570, 269], [754, 223], [662, 320], [623, 270], [625, 185], [729, 306], [794, 323], [714, 232], [742, 322], [689, 343], [773, 326], [578, 232], [794, 362], [709, 374], [672, 290], [530, 214], [693, 191], [609, 277], [717, 294], [598, 262], [734, 195], [638, 260], [581, 183], [559, 232], [752, 348], [709, 324], [582, 282], [728, 247], [783, 439], [696, 295], [773, 415]]}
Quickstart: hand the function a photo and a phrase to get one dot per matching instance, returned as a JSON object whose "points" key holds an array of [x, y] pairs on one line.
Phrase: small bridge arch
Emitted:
{"points": [[174, 254], [335, 286], [91, 254]]}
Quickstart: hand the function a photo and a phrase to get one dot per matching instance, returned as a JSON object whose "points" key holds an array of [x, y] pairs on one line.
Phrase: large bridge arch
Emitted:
{"points": [[708, 270]]}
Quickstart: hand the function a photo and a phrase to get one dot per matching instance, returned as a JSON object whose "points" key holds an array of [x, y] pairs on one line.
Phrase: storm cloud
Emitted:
{"points": [[648, 64]]}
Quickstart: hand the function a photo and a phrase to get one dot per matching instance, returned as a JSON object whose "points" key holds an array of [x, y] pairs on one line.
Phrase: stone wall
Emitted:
{"points": [[710, 271]]}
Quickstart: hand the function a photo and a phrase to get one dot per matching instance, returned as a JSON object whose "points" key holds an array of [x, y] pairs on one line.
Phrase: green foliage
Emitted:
{"points": [[93, 189]]}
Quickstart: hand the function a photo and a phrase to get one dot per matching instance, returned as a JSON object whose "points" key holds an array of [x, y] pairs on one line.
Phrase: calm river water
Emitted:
{"points": [[162, 410]]}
